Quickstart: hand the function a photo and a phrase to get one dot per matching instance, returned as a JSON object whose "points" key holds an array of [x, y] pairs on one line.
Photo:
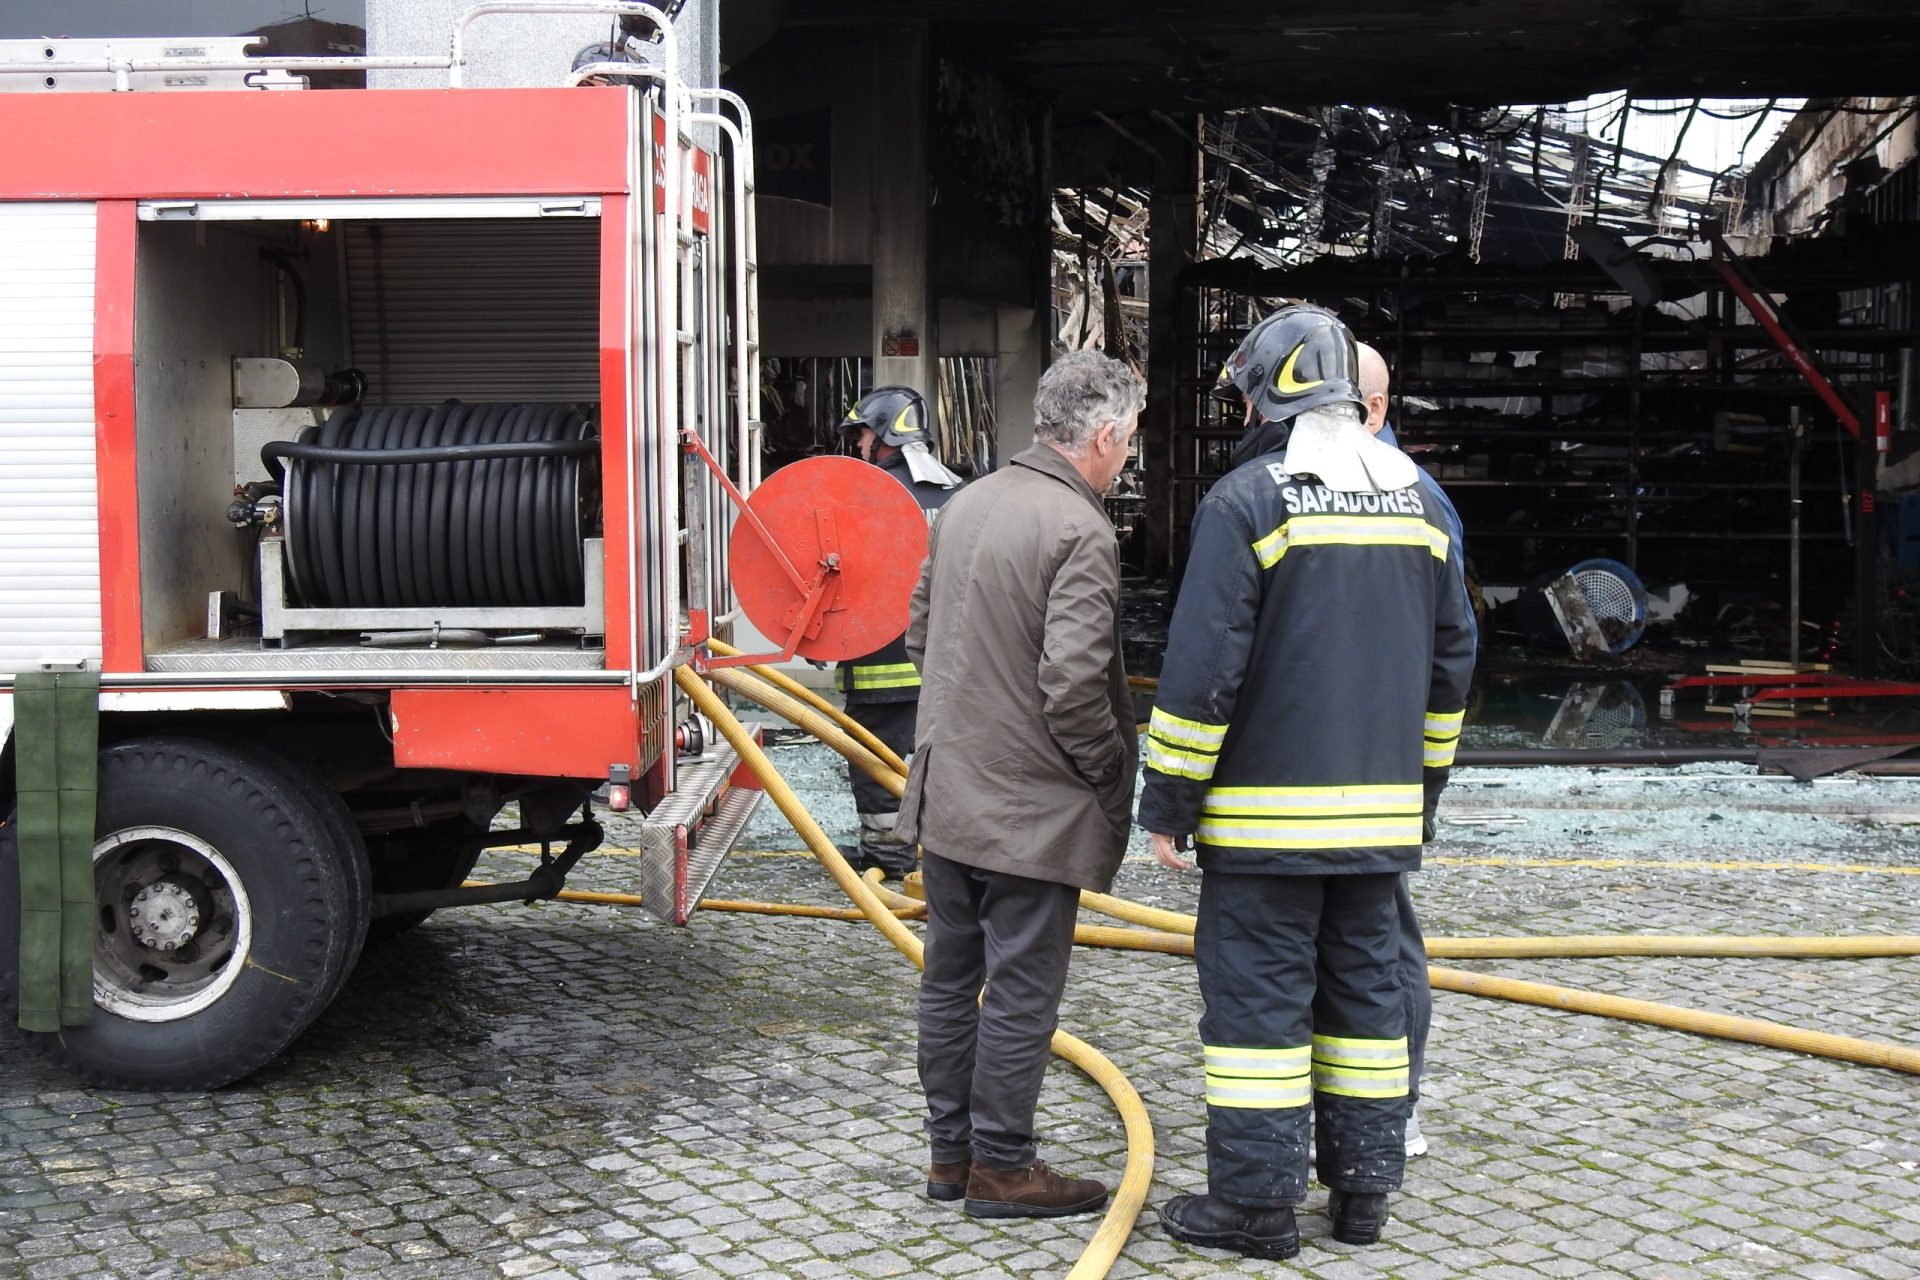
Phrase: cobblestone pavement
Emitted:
{"points": [[577, 1091]]}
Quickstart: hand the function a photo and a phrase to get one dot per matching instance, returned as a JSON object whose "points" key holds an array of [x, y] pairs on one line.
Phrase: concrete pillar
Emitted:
{"points": [[1026, 333], [904, 318], [1025, 343], [1172, 337]]}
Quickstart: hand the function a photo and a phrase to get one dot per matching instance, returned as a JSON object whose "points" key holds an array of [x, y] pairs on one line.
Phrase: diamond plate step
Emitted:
{"points": [[687, 836], [715, 840]]}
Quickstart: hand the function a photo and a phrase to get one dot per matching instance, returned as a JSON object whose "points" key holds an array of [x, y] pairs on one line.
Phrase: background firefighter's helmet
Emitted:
{"points": [[1296, 359], [897, 415]]}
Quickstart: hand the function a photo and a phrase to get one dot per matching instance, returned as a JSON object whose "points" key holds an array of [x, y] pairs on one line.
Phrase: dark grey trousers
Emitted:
{"points": [[982, 1059], [1283, 962], [1413, 977], [893, 724]]}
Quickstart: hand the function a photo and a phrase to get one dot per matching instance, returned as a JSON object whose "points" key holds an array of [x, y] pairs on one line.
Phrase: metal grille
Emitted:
{"points": [[493, 309], [49, 499], [1617, 599]]}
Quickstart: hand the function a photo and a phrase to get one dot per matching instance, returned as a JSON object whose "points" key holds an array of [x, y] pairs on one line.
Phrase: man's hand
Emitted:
{"points": [[1163, 850]]}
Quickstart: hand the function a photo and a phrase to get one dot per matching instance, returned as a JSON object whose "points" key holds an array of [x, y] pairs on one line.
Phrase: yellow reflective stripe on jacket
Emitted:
{"points": [[1269, 1079], [1352, 817], [1350, 531], [1442, 738], [1181, 747], [1374, 832], [886, 675], [1289, 802], [1178, 731], [1180, 762], [1356, 1067]]}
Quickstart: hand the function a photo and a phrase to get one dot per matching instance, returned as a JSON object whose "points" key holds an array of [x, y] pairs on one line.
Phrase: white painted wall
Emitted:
{"points": [[519, 50]]}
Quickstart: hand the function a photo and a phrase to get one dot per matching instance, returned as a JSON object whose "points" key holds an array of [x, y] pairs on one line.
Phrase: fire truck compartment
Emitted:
{"points": [[251, 330]]}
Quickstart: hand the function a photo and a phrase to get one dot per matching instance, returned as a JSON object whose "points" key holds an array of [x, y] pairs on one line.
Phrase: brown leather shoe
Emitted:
{"points": [[947, 1181], [1033, 1192]]}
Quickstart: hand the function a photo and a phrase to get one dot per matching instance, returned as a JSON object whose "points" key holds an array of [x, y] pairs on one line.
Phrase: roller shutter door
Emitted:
{"points": [[485, 310], [49, 496]]}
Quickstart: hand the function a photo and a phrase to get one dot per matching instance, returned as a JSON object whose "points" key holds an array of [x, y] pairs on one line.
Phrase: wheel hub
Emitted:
{"points": [[163, 916]]}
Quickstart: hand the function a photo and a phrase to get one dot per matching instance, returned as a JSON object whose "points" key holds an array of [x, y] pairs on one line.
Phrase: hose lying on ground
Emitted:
{"points": [[1722, 1026], [1131, 1194]]}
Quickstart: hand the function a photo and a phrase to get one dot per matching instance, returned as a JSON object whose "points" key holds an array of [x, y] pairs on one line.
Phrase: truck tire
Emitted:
{"points": [[439, 856], [350, 850], [250, 917]]}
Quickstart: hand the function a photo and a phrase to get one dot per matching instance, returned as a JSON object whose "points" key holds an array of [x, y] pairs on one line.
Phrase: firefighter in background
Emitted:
{"points": [[1312, 697], [888, 428]]}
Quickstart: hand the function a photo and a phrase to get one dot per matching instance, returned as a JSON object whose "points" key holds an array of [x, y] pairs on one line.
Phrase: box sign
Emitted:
{"points": [[702, 179]]}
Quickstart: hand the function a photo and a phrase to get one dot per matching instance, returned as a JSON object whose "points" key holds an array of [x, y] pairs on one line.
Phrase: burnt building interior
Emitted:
{"points": [[1696, 376]]}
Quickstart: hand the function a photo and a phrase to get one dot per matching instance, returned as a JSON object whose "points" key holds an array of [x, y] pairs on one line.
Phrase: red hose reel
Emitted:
{"points": [[824, 559]]}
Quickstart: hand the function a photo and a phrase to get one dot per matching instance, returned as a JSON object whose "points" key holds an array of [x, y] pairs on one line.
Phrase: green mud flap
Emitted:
{"points": [[56, 736]]}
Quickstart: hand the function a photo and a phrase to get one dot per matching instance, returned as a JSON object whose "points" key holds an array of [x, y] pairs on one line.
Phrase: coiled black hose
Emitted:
{"points": [[448, 505]]}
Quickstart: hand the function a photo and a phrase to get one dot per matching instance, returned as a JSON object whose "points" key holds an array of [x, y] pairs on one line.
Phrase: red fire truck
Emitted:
{"points": [[377, 450]]}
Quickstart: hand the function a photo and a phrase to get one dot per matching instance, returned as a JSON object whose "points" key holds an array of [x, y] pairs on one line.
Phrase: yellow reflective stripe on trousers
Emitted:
{"points": [[1258, 1078], [886, 675], [1350, 531], [1180, 762], [1351, 1082], [1178, 731], [1233, 1060], [1360, 1051], [1438, 755], [1358, 1067], [1265, 1095], [1445, 724]]}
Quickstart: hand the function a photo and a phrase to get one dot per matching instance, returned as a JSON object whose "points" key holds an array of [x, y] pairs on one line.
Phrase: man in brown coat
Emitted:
{"points": [[1021, 789]]}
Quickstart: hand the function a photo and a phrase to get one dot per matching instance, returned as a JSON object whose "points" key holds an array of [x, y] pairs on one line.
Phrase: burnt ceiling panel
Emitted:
{"points": [[1127, 55]]}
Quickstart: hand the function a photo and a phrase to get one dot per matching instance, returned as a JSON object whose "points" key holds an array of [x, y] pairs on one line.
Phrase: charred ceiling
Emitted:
{"points": [[1180, 55]]}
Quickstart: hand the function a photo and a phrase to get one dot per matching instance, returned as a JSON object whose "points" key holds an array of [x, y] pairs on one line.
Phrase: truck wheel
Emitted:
{"points": [[343, 837], [440, 856], [226, 918]]}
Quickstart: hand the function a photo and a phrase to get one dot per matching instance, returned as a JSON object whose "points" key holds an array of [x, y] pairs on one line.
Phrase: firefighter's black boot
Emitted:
{"points": [[1213, 1223], [856, 857], [1358, 1218]]}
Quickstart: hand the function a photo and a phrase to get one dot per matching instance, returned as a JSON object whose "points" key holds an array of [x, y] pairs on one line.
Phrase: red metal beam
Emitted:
{"points": [[1840, 689], [1763, 312]]}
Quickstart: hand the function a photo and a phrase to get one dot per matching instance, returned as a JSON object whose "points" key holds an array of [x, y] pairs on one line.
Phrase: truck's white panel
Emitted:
{"points": [[313, 207], [190, 700], [49, 499]]}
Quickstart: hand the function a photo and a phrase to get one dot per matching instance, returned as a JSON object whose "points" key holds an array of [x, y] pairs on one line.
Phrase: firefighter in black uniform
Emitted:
{"points": [[1307, 716], [889, 429]]}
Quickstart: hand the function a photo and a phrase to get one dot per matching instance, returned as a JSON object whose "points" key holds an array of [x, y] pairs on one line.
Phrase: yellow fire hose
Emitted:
{"points": [[911, 911], [1131, 1194], [1171, 932], [1752, 1031], [821, 726], [1564, 947], [848, 725]]}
